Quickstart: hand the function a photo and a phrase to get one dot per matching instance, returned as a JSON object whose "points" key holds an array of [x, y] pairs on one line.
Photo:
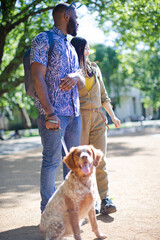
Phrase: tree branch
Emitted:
{"points": [[12, 26], [14, 63], [14, 84], [26, 8]]}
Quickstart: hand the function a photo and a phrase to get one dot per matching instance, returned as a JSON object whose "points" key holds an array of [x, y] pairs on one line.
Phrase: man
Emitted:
{"points": [[55, 75]]}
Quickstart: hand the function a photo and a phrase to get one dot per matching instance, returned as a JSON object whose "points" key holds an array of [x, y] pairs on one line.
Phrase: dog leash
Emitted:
{"points": [[63, 142], [61, 136]]}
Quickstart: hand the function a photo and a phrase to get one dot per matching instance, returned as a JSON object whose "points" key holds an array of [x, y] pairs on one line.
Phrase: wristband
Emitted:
{"points": [[52, 121], [52, 114]]}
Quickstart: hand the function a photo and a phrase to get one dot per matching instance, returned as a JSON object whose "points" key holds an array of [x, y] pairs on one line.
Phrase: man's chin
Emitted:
{"points": [[74, 34]]}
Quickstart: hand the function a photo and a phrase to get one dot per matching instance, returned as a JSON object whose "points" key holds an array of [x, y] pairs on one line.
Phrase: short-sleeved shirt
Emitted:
{"points": [[61, 61]]}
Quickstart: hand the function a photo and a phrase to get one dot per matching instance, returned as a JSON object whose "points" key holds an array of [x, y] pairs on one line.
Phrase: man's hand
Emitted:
{"points": [[69, 81], [52, 123]]}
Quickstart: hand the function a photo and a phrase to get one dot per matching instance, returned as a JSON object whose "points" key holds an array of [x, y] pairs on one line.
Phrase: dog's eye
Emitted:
{"points": [[89, 153], [77, 153]]}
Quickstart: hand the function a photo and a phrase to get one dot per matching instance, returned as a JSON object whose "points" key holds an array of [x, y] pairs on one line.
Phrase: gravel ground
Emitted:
{"points": [[134, 174]]}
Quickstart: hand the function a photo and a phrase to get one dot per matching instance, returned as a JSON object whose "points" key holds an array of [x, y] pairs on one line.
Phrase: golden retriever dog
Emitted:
{"points": [[75, 198]]}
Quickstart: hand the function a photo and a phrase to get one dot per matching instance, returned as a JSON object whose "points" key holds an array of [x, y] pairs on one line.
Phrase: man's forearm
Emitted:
{"points": [[42, 93], [38, 75], [81, 82], [72, 79]]}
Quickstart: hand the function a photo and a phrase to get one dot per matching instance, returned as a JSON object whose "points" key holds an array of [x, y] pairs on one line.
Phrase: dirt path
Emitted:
{"points": [[134, 174]]}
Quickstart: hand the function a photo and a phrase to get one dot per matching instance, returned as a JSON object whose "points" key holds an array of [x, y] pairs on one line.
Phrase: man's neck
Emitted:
{"points": [[62, 28]]}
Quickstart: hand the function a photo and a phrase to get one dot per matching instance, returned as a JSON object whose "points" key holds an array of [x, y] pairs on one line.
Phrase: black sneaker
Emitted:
{"points": [[107, 206]]}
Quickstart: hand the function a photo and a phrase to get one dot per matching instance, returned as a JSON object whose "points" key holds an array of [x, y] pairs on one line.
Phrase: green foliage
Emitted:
{"points": [[20, 21], [142, 69], [124, 69], [112, 72], [134, 21], [13, 100]]}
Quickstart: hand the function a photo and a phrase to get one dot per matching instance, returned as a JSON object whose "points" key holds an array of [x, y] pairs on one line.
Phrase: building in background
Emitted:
{"points": [[131, 106]]}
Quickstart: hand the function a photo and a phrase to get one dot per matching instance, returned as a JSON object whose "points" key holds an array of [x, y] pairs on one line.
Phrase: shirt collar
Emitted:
{"points": [[59, 32]]}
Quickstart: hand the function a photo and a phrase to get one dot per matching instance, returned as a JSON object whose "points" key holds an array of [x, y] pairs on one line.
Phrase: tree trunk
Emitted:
{"points": [[25, 117], [3, 35]]}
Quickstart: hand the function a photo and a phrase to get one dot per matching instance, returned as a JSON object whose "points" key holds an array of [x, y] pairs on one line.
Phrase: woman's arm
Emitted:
{"points": [[107, 106]]}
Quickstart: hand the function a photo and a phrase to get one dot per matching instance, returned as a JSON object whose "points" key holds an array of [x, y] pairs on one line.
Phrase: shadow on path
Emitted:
{"points": [[121, 149], [105, 218], [20, 173], [23, 233]]}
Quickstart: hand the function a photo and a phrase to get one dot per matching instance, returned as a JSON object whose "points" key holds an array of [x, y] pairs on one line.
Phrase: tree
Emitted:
{"points": [[138, 68], [137, 24], [114, 76], [20, 21], [145, 74], [135, 21]]}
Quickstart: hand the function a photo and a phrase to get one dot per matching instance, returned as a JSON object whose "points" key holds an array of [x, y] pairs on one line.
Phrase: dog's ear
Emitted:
{"points": [[68, 160], [97, 155]]}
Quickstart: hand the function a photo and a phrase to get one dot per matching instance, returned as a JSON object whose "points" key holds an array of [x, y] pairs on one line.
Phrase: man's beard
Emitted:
{"points": [[72, 27]]}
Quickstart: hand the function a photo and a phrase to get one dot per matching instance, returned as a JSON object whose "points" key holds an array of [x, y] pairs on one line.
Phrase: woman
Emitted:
{"points": [[93, 129]]}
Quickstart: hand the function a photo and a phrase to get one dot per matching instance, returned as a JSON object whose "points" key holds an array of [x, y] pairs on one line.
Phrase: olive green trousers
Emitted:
{"points": [[93, 131]]}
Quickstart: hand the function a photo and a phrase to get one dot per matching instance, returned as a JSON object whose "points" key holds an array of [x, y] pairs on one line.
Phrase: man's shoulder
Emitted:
{"points": [[41, 36], [44, 38]]}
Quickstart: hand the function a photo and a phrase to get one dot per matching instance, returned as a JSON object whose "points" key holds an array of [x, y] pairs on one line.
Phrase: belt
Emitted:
{"points": [[99, 111]]}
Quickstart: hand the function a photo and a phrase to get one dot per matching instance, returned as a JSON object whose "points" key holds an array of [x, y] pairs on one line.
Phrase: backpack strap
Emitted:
{"points": [[51, 42], [29, 85]]}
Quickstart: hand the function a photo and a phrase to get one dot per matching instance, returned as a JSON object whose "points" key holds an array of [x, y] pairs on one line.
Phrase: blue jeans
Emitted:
{"points": [[52, 152]]}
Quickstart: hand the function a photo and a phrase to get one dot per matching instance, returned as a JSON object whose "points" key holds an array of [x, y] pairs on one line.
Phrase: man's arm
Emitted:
{"points": [[38, 76], [72, 79]]}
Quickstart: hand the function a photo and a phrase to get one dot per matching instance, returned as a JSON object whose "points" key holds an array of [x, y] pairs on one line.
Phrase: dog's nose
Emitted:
{"points": [[84, 157]]}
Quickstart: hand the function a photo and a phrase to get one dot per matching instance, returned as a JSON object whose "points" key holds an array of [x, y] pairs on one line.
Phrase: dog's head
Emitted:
{"points": [[82, 159]]}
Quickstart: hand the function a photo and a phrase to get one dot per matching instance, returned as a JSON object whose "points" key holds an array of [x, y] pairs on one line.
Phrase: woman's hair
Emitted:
{"points": [[79, 45]]}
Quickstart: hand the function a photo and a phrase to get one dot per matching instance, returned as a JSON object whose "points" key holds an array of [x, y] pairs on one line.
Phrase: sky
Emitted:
{"points": [[88, 28]]}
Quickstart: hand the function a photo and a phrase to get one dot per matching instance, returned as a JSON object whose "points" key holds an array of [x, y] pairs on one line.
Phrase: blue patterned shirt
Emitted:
{"points": [[62, 61]]}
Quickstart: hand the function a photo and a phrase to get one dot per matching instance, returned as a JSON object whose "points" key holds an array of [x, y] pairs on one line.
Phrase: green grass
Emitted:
{"points": [[35, 133], [23, 133], [125, 125]]}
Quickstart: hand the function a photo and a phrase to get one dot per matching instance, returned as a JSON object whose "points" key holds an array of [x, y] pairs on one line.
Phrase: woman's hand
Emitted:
{"points": [[116, 121]]}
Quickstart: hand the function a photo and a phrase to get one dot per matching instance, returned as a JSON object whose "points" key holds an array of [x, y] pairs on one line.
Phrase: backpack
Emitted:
{"points": [[29, 85]]}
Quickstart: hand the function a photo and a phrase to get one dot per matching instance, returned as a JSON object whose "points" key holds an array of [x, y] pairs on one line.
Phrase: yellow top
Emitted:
{"points": [[89, 82]]}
